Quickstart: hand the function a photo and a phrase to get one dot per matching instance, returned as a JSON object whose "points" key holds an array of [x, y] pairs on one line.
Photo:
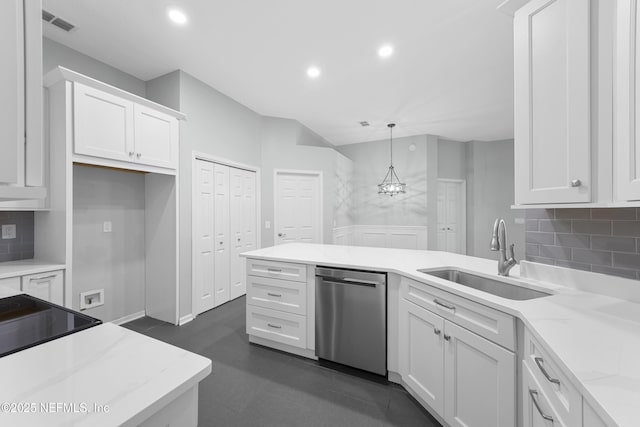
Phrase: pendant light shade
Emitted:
{"points": [[391, 184]]}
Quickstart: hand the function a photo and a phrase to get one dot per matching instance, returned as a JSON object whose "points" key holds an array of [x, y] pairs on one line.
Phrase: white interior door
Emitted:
{"points": [[298, 207], [451, 216], [221, 231], [204, 238], [236, 231]]}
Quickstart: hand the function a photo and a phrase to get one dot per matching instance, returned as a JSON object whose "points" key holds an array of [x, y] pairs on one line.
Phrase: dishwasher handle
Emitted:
{"points": [[347, 281]]}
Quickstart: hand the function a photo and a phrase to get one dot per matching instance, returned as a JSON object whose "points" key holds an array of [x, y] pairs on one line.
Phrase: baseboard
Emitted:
{"points": [[186, 319], [129, 318], [310, 354]]}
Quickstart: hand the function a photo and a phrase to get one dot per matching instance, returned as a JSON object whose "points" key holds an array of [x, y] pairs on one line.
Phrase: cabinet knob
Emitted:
{"points": [[436, 331], [447, 337], [576, 183], [221, 242]]}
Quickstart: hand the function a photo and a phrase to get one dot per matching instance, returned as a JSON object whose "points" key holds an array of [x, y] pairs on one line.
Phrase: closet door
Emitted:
{"points": [[236, 205], [221, 232], [250, 208], [204, 237]]}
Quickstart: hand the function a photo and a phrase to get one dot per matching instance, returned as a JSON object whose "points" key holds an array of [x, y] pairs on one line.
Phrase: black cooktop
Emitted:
{"points": [[26, 321]]}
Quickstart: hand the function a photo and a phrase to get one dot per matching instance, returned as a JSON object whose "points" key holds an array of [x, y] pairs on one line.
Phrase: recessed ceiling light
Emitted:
{"points": [[313, 72], [385, 51], [177, 16]]}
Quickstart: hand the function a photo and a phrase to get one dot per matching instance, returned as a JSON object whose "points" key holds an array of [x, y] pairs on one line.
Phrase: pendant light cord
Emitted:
{"points": [[391, 145]]}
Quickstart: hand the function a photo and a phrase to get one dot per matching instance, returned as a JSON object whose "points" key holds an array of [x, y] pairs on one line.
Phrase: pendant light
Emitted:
{"points": [[391, 184]]}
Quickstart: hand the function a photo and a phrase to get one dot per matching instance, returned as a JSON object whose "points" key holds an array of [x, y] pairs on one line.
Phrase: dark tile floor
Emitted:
{"points": [[252, 385]]}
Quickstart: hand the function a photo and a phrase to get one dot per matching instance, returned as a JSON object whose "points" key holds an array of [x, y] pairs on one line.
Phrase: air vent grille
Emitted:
{"points": [[58, 22], [47, 16]]}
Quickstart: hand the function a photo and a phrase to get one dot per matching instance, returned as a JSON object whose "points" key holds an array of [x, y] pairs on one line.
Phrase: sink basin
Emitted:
{"points": [[484, 284]]}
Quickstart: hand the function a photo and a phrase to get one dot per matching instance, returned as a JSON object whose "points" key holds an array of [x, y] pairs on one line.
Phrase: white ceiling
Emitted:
{"points": [[451, 73]]}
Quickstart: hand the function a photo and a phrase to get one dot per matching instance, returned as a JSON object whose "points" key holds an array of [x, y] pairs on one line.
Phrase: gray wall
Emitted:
{"points": [[371, 163], [55, 54], [22, 246], [452, 159], [599, 240], [286, 144], [490, 193], [112, 261]]}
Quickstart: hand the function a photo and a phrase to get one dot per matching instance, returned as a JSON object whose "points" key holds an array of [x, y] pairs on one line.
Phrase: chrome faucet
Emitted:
{"points": [[499, 243]]}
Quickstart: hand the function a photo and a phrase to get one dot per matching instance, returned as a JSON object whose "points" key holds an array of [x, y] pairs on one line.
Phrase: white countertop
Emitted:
{"points": [[595, 337], [27, 266], [106, 365]]}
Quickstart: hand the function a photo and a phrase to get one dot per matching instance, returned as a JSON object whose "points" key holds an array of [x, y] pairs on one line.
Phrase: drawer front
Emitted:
{"points": [[537, 409], [48, 286], [277, 270], [11, 282], [285, 328], [277, 294], [564, 397], [489, 323]]}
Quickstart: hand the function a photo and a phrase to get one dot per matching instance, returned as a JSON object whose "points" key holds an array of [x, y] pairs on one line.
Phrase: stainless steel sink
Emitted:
{"points": [[492, 286]]}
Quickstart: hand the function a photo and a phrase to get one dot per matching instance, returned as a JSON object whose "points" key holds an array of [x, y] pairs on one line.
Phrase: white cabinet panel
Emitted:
{"points": [[103, 124], [285, 328], [627, 107], [422, 353], [277, 270], [479, 381], [12, 92], [536, 409], [11, 282], [552, 104], [47, 286], [156, 137], [283, 295]]}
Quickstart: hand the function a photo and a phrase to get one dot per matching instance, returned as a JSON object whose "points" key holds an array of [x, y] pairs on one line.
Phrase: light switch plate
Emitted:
{"points": [[8, 231], [107, 227], [519, 221], [267, 224]]}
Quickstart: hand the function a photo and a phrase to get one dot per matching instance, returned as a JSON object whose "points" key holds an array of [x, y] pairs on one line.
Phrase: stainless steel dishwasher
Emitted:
{"points": [[351, 318]]}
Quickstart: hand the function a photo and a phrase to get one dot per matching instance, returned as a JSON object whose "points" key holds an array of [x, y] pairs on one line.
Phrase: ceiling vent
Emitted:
{"points": [[364, 124], [58, 22]]}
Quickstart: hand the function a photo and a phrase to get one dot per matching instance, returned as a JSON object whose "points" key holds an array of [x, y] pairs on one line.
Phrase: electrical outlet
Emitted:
{"points": [[9, 231], [519, 221], [267, 224], [91, 299], [107, 227]]}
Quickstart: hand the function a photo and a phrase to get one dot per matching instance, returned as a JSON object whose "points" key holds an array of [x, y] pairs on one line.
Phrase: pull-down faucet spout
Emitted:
{"points": [[499, 243]]}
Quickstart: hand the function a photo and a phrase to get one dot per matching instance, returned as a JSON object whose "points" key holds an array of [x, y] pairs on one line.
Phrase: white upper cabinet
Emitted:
{"points": [[552, 110], [627, 107], [21, 163], [114, 128], [103, 124]]}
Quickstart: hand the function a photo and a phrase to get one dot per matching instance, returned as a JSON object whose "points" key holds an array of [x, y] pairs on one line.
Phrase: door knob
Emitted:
{"points": [[138, 155], [576, 183], [282, 235], [436, 331]]}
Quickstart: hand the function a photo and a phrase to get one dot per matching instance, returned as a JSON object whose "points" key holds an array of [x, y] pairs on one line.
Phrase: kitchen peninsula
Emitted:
{"points": [[575, 351]]}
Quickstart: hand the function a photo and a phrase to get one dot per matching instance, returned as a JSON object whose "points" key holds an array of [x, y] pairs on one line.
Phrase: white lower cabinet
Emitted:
{"points": [[278, 326], [537, 410], [464, 378], [11, 282], [47, 286]]}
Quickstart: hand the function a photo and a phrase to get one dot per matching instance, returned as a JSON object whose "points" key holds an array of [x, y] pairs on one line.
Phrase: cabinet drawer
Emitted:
{"points": [[562, 395], [277, 270], [537, 409], [48, 286], [283, 295], [11, 282], [489, 323], [277, 326]]}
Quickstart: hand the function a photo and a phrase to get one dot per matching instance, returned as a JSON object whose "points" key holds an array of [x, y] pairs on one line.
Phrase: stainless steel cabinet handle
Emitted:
{"points": [[271, 325], [576, 183], [274, 270], [37, 279], [447, 337], [440, 303], [436, 331], [274, 295], [539, 361], [534, 398]]}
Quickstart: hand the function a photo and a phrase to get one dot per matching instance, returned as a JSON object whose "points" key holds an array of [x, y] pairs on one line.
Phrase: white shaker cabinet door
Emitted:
{"points": [[552, 109], [103, 124], [479, 381], [156, 138], [47, 286], [12, 93], [421, 353], [627, 141]]}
